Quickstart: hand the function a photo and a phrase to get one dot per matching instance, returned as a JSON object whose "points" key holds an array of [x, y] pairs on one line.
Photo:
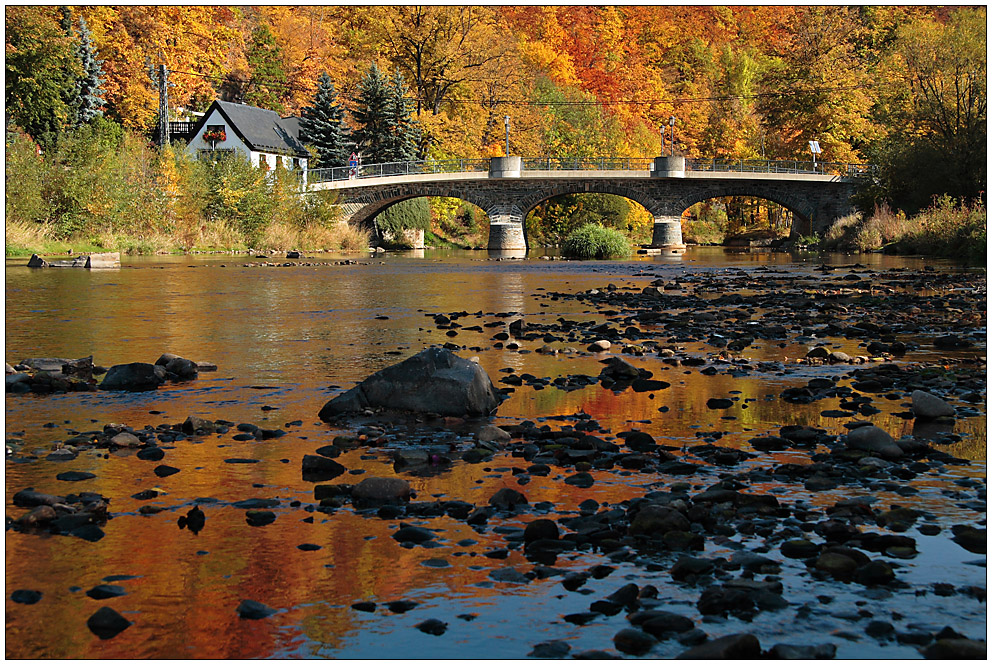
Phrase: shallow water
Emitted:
{"points": [[287, 339]]}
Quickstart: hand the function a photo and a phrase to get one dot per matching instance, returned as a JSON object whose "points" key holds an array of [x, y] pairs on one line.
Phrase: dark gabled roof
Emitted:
{"points": [[261, 130]]}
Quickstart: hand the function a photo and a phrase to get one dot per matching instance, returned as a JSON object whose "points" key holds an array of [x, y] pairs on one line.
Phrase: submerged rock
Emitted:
{"points": [[134, 377], [433, 381]]}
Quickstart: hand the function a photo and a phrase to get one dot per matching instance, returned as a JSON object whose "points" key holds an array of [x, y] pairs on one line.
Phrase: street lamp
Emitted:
{"points": [[814, 148], [662, 140], [506, 121], [671, 123]]}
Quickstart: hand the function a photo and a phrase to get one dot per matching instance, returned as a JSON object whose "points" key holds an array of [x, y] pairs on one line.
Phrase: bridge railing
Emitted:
{"points": [[587, 164], [779, 166], [397, 168], [481, 165]]}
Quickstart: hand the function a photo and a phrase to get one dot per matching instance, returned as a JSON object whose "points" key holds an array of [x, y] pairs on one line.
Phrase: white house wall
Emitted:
{"points": [[232, 142]]}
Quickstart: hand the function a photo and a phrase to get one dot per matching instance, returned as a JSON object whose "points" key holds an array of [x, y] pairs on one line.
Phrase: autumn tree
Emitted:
{"points": [[40, 66], [937, 109], [322, 125]]}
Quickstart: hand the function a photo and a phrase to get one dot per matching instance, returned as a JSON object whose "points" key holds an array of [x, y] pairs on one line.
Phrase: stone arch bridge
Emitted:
{"points": [[507, 188]]}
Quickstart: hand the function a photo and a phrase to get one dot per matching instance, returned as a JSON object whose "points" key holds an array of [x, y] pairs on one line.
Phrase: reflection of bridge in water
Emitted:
{"points": [[507, 188]]}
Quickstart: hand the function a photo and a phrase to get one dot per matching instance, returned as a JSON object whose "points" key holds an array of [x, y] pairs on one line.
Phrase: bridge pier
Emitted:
{"points": [[667, 234], [506, 236]]}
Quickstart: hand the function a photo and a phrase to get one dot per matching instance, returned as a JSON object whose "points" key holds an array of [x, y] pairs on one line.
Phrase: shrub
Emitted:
{"points": [[592, 241], [403, 216]]}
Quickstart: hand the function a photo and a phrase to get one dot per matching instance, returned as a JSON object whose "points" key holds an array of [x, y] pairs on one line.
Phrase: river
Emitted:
{"points": [[287, 338]]}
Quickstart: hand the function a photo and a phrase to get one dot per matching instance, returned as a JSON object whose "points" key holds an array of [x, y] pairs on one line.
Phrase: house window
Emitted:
{"points": [[263, 163], [278, 161]]}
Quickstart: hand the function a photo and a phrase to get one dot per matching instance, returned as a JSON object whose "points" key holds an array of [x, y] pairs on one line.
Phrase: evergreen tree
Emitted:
{"points": [[322, 125], [405, 137], [372, 113], [88, 93], [265, 61]]}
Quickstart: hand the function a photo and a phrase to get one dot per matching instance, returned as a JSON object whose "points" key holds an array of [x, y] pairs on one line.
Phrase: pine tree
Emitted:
{"points": [[322, 125], [372, 112], [89, 95], [405, 137]]}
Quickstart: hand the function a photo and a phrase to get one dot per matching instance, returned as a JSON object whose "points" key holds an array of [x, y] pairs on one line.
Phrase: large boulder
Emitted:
{"points": [[134, 377], [927, 405], [874, 440], [433, 381]]}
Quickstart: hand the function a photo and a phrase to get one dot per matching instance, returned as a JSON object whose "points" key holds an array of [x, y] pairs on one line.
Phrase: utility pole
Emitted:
{"points": [[506, 121], [163, 105]]}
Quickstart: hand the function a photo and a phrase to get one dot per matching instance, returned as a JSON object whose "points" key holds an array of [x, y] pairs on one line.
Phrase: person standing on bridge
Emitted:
{"points": [[353, 166]]}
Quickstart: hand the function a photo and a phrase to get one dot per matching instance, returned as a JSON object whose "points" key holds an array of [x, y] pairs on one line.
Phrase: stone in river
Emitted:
{"points": [[164, 470], [433, 381], [874, 439], [363, 606], [971, 538], [947, 649], [507, 498], [26, 596], [252, 609], [106, 623], [599, 346], [928, 406], [553, 649], [194, 520], [29, 498], [413, 534], [803, 652], [401, 606], [74, 476], [134, 377], [259, 517], [719, 403], [634, 641], [317, 468], [432, 627], [377, 491], [104, 591], [740, 646], [541, 529], [125, 440], [151, 454], [493, 433], [88, 532]]}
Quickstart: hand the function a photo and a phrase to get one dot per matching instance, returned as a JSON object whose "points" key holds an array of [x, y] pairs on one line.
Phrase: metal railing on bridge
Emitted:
{"points": [[397, 168], [779, 166], [481, 165]]}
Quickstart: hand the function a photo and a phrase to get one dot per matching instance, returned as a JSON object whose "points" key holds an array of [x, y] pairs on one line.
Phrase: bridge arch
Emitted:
{"points": [[802, 209]]}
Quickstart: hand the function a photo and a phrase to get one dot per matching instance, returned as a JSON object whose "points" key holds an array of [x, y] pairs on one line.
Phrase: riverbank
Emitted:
{"points": [[699, 482]]}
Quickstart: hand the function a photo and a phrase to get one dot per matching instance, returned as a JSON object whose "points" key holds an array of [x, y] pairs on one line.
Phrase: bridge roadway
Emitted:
{"points": [[507, 188]]}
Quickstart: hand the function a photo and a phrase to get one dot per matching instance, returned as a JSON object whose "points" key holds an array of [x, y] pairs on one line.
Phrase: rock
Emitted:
{"points": [[818, 352], [494, 434], [927, 406], [740, 646], [125, 440], [376, 491], [619, 369], [151, 454], [837, 565], [599, 346], [26, 596], [634, 641], [553, 649], [29, 498], [193, 424], [802, 652], [364, 606], [259, 517], [74, 476], [413, 534], [46, 364], [506, 499], [971, 538], [106, 623], [719, 403], [433, 381], [655, 521], [134, 377], [182, 368], [660, 622], [541, 529], [164, 470], [80, 369], [432, 627], [510, 575], [839, 357], [252, 609], [104, 591], [948, 649], [317, 468], [875, 440], [401, 606], [874, 573]]}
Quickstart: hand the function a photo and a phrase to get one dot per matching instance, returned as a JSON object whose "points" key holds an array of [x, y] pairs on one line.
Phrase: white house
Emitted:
{"points": [[267, 140]]}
